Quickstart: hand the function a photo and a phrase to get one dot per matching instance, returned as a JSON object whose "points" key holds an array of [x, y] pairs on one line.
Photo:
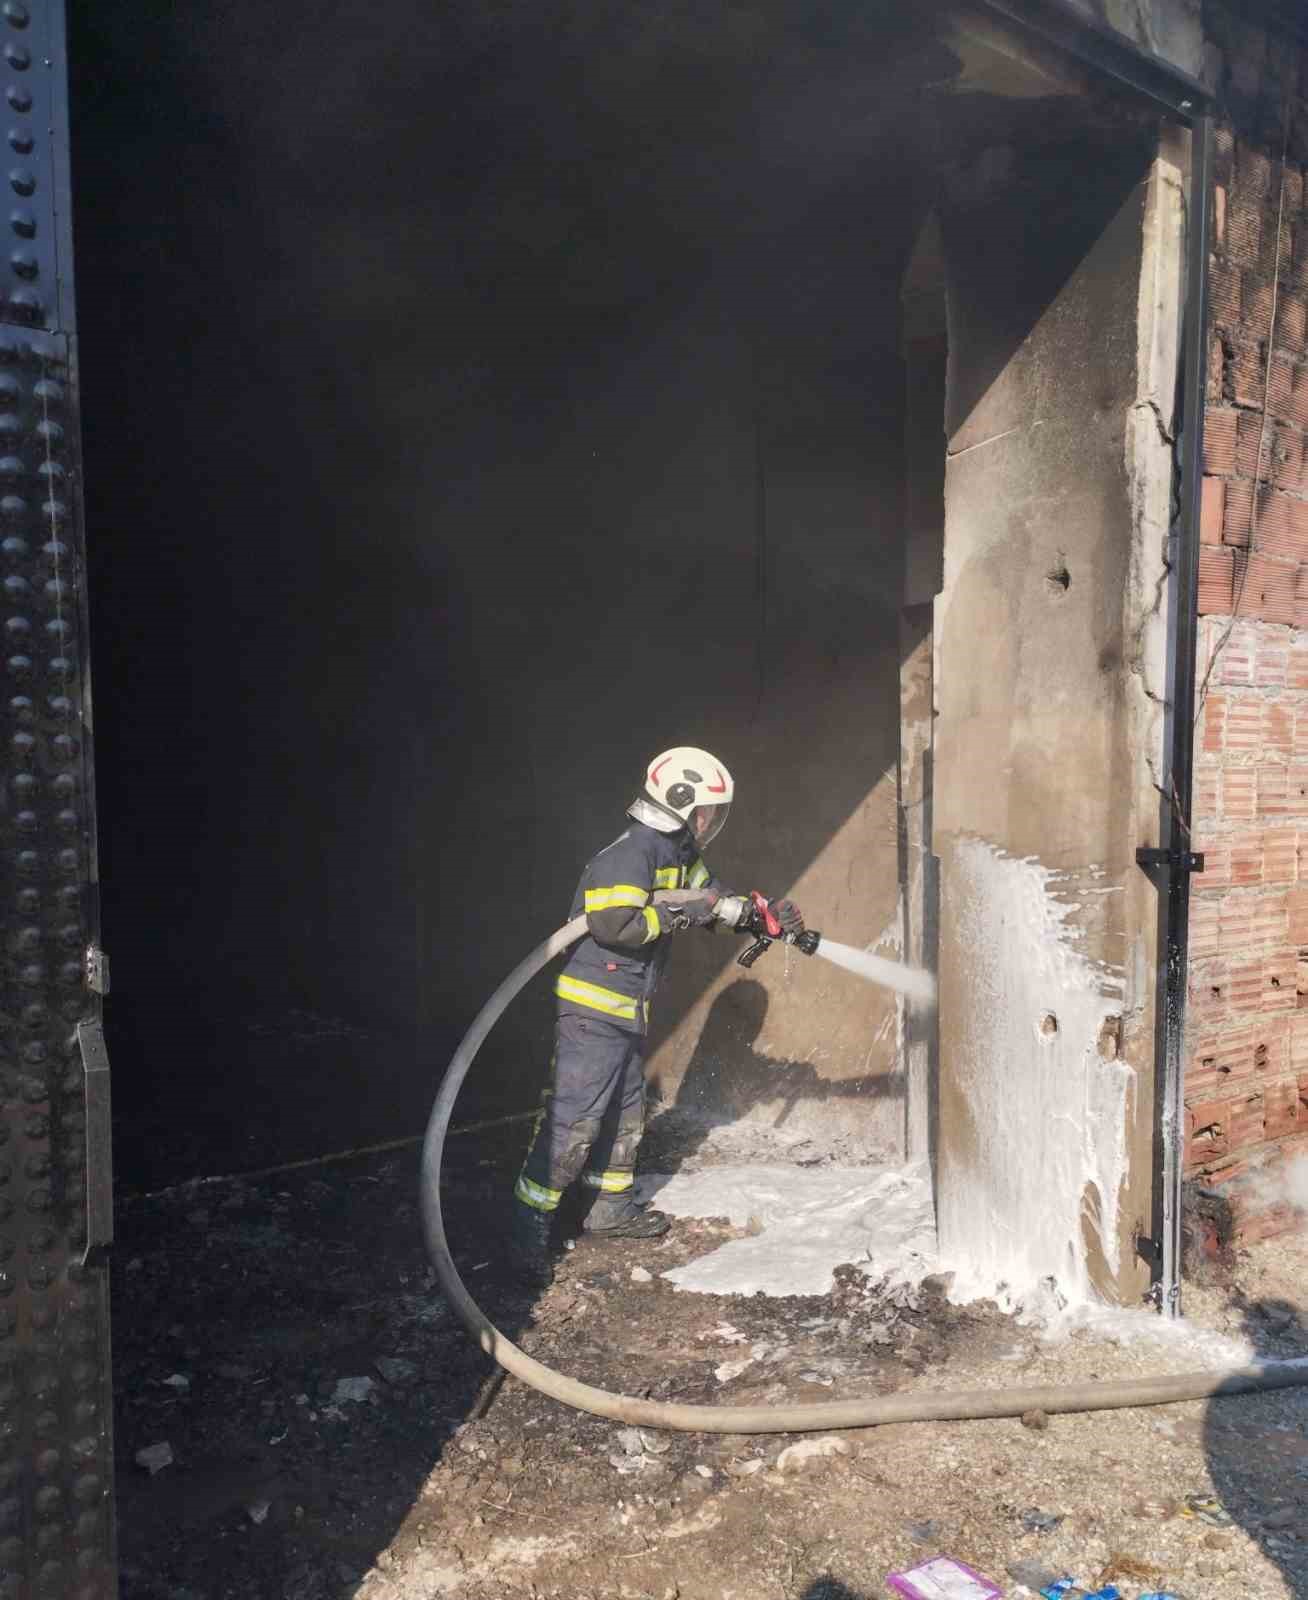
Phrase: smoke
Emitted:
{"points": [[1284, 1184]]}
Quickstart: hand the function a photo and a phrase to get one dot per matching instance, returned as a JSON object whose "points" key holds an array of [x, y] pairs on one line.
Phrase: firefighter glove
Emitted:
{"points": [[788, 915]]}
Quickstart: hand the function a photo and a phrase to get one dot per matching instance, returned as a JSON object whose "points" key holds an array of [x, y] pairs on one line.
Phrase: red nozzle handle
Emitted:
{"points": [[770, 923]]}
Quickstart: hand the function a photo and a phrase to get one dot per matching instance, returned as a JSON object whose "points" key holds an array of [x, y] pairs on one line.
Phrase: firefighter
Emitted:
{"points": [[593, 1115]]}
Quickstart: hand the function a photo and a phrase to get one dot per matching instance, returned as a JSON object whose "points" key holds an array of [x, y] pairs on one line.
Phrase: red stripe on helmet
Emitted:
{"points": [[655, 770], [720, 787]]}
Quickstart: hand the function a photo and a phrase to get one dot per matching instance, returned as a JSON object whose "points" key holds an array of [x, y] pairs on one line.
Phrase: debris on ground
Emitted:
{"points": [[942, 1578], [445, 1478], [155, 1457]]}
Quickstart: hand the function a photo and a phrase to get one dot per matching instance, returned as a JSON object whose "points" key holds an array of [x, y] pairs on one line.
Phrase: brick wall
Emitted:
{"points": [[1246, 1087]]}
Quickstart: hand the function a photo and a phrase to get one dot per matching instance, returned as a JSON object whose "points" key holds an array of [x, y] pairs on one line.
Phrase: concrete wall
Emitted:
{"points": [[476, 405], [1048, 684]]}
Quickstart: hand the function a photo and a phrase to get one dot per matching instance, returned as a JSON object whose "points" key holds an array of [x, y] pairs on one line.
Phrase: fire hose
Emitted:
{"points": [[958, 1405]]}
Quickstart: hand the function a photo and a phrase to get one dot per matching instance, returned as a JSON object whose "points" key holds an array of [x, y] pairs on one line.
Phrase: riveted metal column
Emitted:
{"points": [[56, 1512]]}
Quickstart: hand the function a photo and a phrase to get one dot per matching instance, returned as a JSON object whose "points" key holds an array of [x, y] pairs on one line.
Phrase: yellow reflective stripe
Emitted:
{"points": [[536, 1195], [667, 878], [616, 894], [590, 994], [699, 876], [652, 929], [609, 1182]]}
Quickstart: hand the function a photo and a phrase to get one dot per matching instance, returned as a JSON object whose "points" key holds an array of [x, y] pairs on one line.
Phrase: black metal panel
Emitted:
{"points": [[56, 1511]]}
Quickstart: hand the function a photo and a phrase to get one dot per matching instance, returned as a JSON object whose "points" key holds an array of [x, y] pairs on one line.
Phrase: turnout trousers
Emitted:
{"points": [[592, 1115]]}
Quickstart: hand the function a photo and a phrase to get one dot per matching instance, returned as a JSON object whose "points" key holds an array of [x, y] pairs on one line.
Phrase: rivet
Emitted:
{"points": [[65, 783], [50, 392], [16, 14], [64, 746], [54, 549], [48, 429], [27, 940], [28, 302], [32, 976], [19, 99], [68, 861], [28, 901], [54, 510], [12, 468], [58, 628], [20, 666], [52, 470], [28, 863], [13, 505], [24, 264], [17, 57], [21, 181], [66, 819], [16, 548], [27, 821], [62, 666], [23, 783], [60, 705], [15, 625], [35, 1015], [55, 589]]}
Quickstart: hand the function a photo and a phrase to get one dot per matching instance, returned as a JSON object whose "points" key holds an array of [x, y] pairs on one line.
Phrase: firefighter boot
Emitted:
{"points": [[530, 1257], [618, 1216]]}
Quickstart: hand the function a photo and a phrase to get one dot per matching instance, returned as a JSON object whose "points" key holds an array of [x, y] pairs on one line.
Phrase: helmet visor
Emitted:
{"points": [[706, 823]]}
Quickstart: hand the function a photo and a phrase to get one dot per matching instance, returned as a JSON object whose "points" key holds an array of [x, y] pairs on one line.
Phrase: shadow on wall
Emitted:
{"points": [[729, 1079], [1257, 1446]]}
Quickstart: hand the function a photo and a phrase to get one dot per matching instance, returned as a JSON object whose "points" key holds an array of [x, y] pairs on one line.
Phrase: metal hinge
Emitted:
{"points": [[1177, 860], [97, 970]]}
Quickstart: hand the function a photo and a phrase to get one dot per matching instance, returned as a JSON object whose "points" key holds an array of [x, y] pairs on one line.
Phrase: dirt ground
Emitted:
{"points": [[334, 1433]]}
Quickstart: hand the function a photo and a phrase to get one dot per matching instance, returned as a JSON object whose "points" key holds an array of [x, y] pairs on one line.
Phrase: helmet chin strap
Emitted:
{"points": [[654, 815]]}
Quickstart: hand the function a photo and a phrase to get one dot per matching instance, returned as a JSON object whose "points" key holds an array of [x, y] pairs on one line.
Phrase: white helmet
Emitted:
{"points": [[686, 787]]}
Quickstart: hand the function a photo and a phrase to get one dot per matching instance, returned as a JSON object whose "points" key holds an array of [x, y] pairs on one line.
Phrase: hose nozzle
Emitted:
{"points": [[806, 942]]}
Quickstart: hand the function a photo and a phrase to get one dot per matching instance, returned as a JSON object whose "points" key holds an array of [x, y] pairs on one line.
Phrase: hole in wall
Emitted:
{"points": [[1048, 1025], [1058, 578]]}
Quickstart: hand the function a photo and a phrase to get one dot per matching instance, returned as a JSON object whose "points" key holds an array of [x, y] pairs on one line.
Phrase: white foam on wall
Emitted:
{"points": [[1049, 1112]]}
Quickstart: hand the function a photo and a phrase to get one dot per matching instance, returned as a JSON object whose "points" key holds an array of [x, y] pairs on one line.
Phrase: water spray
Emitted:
{"points": [[759, 919]]}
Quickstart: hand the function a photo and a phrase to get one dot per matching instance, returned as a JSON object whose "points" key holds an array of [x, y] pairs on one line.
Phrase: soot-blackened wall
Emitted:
{"points": [[476, 404]]}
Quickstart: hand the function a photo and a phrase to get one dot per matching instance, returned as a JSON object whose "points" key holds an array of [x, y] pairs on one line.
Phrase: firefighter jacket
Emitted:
{"points": [[615, 969]]}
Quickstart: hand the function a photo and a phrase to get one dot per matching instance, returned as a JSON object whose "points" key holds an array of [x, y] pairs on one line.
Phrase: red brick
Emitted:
{"points": [[1217, 862], [1237, 512], [1208, 999], [1235, 924], [1207, 1130], [1256, 305], [1270, 925], [1247, 1121], [1220, 435], [1205, 920], [1273, 791], [1297, 789], [1239, 789], [1252, 447], [1210, 510], [1280, 855], [1303, 1094], [1299, 1042], [1215, 377], [1213, 713], [1285, 460], [1216, 580], [1270, 1045], [1280, 983], [1278, 728], [1281, 1109], [1239, 651], [1292, 323], [1266, 589], [1276, 531], [1244, 224], [1253, 165], [1296, 676], [1292, 182], [1298, 407], [1273, 663], [1219, 218], [1246, 984], [1248, 377], [1297, 906], [1233, 1057], [1244, 725], [1301, 730], [1205, 794]]}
